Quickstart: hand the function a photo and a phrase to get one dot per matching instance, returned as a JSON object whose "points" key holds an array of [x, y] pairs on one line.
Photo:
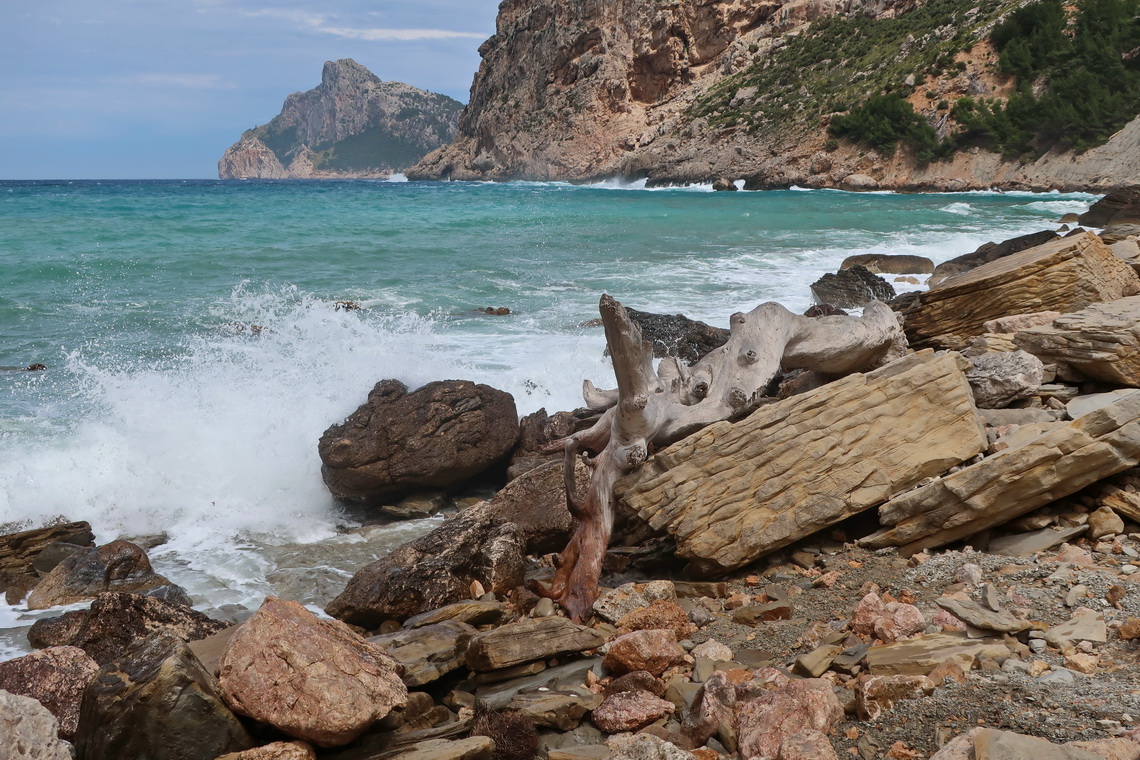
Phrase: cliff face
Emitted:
{"points": [[351, 125], [695, 90]]}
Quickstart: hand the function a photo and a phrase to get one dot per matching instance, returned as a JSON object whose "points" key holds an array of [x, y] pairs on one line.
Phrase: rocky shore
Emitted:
{"points": [[933, 558]]}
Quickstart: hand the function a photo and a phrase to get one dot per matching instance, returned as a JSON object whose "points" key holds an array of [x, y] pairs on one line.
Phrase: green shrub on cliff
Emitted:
{"points": [[1078, 81], [883, 122]]}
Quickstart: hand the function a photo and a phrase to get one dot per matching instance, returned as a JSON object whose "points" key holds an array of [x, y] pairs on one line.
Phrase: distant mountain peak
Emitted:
{"points": [[353, 124]]}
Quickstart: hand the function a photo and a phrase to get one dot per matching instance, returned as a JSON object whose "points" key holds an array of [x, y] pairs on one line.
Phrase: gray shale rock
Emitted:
{"points": [[434, 437]]}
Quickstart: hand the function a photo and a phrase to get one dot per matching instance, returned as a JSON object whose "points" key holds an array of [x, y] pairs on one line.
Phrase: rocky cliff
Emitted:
{"points": [[351, 125], [696, 90]]}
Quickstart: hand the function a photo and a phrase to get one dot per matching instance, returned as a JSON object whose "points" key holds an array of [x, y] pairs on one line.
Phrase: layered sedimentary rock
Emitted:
{"points": [[351, 125], [735, 491], [1063, 275], [1101, 342], [1015, 481]]}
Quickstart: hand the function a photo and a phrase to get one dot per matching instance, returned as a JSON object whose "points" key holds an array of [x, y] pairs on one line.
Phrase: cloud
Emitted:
{"points": [[318, 22], [185, 81]]}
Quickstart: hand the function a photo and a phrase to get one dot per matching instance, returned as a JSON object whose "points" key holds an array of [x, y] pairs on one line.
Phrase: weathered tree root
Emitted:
{"points": [[653, 408]]}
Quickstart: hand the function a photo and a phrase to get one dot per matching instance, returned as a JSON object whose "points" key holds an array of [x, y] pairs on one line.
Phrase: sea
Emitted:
{"points": [[197, 342]]}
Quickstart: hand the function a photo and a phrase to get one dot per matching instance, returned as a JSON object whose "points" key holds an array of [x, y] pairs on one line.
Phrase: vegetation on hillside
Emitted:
{"points": [[1076, 73]]}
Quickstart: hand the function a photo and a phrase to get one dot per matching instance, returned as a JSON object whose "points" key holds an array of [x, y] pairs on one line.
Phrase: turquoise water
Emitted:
{"points": [[164, 409]]}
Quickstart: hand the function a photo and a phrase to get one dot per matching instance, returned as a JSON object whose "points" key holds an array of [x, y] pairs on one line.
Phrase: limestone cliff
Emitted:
{"points": [[351, 125], [696, 90]]}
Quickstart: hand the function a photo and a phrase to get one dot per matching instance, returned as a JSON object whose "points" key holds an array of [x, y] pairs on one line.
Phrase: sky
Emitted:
{"points": [[158, 89]]}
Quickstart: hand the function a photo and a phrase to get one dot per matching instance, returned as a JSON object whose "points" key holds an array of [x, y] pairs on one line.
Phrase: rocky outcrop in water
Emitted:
{"points": [[352, 124]]}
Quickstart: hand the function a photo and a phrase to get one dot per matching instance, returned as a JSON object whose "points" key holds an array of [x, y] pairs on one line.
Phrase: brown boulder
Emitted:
{"points": [[436, 570], [115, 622], [528, 640], [885, 263], [314, 679], [118, 566], [434, 437], [19, 550], [156, 701], [53, 677], [653, 651], [851, 288], [536, 502]]}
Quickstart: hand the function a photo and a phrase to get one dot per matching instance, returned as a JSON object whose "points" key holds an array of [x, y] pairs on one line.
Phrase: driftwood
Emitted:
{"points": [[653, 408]]}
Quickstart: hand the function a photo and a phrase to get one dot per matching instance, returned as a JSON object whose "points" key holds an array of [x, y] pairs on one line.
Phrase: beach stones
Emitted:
{"points": [[314, 679], [434, 437], [156, 701], [117, 566]]}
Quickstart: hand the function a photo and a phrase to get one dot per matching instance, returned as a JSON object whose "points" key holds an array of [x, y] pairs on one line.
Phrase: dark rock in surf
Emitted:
{"points": [[156, 701], [397, 442], [884, 263], [116, 622], [677, 335], [117, 566], [436, 569], [1118, 207], [851, 288]]}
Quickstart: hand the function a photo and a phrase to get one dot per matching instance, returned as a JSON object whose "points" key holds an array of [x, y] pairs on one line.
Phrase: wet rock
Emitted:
{"points": [[427, 653], [156, 701], [434, 437], [416, 506], [772, 709], [18, 551], [436, 570], [55, 678], [314, 679], [115, 622], [677, 335], [851, 288], [28, 731], [875, 695], [1000, 378], [118, 566], [536, 502], [723, 184], [653, 651], [630, 710], [884, 263], [527, 640]]}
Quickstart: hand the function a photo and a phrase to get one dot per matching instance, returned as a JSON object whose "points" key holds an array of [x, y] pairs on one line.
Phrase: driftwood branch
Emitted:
{"points": [[653, 408]]}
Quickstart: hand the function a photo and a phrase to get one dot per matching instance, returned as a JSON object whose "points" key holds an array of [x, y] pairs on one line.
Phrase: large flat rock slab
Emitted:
{"points": [[736, 491], [1101, 342], [1014, 481], [1065, 275]]}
